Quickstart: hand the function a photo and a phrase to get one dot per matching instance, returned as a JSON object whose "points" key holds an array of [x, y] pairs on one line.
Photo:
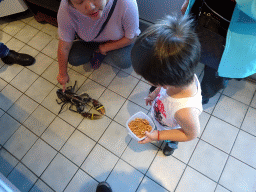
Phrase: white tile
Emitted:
{"points": [[22, 178], [185, 150], [51, 73], [249, 123], [166, 171], [8, 72], [148, 185], [84, 70], [112, 102], [14, 27], [244, 148], [42, 62], [2, 84], [93, 89], [128, 110], [7, 127], [104, 75], [99, 163], [220, 134], [140, 156], [39, 89], [26, 34], [130, 71], [203, 118], [15, 44], [208, 160], [59, 173], [240, 90], [115, 138], [94, 129], [253, 103], [5, 37], [24, 79], [77, 147], [212, 103], [221, 189], [26, 20], [82, 182], [22, 108], [50, 102], [40, 40], [29, 50], [195, 181], [57, 133], [51, 49], [35, 24], [39, 120], [139, 93], [20, 142], [51, 30], [121, 86], [40, 186], [230, 110], [124, 177], [39, 157], [8, 96], [7, 162], [238, 177], [1, 112]]}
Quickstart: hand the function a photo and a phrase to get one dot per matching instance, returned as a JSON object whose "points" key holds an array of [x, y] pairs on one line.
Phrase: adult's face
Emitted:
{"points": [[90, 8]]}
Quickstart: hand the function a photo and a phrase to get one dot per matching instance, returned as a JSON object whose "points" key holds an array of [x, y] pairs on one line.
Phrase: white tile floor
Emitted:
{"points": [[43, 151]]}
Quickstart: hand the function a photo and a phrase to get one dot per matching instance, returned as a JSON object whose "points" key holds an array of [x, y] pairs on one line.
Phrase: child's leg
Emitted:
{"points": [[169, 147]]}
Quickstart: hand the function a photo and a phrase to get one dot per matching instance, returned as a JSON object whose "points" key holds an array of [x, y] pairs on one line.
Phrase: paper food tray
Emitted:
{"points": [[142, 116]]}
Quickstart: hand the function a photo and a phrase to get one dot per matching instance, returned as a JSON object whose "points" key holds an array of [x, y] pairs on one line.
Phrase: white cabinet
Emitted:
{"points": [[151, 10], [10, 7]]}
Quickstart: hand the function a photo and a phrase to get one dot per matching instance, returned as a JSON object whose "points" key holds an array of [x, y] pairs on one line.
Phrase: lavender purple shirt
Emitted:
{"points": [[124, 22]]}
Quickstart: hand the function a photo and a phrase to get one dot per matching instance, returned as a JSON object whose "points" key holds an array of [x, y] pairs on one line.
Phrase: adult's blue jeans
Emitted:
{"points": [[81, 53], [3, 50]]}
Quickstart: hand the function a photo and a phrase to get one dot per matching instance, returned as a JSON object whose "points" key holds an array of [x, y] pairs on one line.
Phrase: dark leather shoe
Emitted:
{"points": [[103, 187], [167, 151], [18, 58]]}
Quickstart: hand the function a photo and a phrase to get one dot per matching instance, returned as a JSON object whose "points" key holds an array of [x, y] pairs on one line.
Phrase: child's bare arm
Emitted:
{"points": [[188, 119], [151, 97]]}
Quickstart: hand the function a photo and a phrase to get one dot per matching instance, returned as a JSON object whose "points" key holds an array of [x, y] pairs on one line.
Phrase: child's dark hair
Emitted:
{"points": [[167, 52]]}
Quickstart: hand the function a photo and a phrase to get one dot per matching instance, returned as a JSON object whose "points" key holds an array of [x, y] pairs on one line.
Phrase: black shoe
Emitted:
{"points": [[18, 58], [167, 151], [152, 89], [103, 187], [205, 100]]}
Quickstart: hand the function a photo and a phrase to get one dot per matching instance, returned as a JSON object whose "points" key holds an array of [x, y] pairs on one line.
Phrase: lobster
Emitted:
{"points": [[80, 102]]}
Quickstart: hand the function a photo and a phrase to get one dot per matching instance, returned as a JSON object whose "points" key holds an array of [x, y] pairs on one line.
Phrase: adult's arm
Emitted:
{"points": [[113, 45], [63, 52]]}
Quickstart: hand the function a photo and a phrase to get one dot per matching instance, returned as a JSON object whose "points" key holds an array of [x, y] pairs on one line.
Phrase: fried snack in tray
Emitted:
{"points": [[139, 127]]}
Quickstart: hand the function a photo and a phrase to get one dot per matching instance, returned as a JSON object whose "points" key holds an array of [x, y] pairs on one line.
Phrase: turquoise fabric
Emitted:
{"points": [[239, 57]]}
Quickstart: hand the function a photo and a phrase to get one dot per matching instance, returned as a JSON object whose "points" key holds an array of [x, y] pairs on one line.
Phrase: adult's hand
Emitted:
{"points": [[184, 6], [63, 80]]}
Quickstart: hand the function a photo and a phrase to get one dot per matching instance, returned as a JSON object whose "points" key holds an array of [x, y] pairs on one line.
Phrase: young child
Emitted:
{"points": [[166, 55]]}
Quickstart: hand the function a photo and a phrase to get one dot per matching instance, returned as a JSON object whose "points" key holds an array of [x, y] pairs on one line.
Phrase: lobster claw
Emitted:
{"points": [[91, 116], [98, 107]]}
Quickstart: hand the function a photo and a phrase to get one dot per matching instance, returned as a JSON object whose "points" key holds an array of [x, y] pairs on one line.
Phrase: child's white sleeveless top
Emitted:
{"points": [[164, 107]]}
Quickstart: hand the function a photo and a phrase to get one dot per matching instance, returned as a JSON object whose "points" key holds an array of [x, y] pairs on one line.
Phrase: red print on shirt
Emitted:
{"points": [[159, 110]]}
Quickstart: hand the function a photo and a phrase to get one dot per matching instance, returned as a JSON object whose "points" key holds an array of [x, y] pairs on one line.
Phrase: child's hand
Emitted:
{"points": [[151, 97], [149, 137]]}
